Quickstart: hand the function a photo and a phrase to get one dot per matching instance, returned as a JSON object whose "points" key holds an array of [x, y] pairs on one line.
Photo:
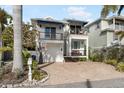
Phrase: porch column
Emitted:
{"points": [[114, 23], [87, 49], [75, 29], [69, 46]]}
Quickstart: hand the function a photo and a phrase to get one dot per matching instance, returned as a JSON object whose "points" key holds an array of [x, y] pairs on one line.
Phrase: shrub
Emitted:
{"points": [[1, 73], [2, 49], [38, 75], [111, 62], [26, 55], [112, 53], [108, 53], [120, 67], [82, 59], [96, 56], [34, 65], [121, 54]]}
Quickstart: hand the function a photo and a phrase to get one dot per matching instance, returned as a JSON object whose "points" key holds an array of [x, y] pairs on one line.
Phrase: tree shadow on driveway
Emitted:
{"points": [[88, 83], [108, 83]]}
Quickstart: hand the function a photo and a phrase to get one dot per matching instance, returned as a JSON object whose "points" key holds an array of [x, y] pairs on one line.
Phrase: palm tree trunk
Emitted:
{"points": [[0, 41], [0, 34], [17, 21]]}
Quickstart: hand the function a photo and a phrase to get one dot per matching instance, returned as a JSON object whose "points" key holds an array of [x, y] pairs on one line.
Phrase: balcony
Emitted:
{"points": [[117, 27], [51, 38], [81, 32], [78, 52]]}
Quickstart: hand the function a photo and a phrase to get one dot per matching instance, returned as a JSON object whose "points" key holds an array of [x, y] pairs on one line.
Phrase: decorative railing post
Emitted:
{"points": [[30, 70]]}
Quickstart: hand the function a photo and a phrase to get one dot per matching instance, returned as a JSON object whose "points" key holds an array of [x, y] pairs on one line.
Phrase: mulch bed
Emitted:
{"points": [[9, 78]]}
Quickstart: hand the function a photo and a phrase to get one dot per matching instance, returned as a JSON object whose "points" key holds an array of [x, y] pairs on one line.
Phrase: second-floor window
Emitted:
{"points": [[75, 29], [50, 32], [97, 26]]}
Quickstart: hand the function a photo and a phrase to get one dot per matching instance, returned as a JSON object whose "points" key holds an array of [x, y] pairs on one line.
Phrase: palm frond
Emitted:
{"points": [[120, 34], [120, 9], [107, 9]]}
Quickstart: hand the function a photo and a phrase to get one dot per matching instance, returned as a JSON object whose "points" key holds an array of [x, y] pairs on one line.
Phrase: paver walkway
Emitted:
{"points": [[71, 73]]}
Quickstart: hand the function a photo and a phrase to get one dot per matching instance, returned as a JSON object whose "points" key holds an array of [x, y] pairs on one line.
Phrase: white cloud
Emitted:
{"points": [[78, 12]]}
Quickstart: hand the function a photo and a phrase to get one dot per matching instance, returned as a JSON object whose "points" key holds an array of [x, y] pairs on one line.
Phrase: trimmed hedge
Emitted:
{"points": [[110, 53], [111, 62]]}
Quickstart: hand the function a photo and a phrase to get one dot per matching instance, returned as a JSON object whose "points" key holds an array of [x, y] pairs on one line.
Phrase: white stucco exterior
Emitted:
{"points": [[56, 49], [52, 48]]}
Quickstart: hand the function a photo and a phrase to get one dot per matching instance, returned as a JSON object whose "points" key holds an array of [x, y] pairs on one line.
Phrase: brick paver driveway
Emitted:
{"points": [[65, 73]]}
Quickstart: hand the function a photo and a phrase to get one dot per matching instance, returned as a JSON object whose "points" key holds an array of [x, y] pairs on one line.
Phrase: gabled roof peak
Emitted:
{"points": [[48, 18]]}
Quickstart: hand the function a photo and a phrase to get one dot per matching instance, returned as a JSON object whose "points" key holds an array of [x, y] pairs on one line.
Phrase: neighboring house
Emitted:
{"points": [[102, 31], [59, 39]]}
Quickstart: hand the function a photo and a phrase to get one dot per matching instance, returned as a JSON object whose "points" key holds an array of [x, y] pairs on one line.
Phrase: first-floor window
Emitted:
{"points": [[47, 32], [78, 44], [75, 45]]}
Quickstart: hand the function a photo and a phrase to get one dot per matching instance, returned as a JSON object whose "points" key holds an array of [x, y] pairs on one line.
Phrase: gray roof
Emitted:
{"points": [[109, 18], [96, 21], [42, 20], [65, 21], [75, 20], [116, 17]]}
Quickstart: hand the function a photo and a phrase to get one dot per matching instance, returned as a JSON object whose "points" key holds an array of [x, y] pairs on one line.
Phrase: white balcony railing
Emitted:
{"points": [[81, 32], [78, 52], [117, 27], [57, 36]]}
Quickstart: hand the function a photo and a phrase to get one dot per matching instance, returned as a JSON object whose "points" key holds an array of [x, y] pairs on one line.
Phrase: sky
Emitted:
{"points": [[80, 12]]}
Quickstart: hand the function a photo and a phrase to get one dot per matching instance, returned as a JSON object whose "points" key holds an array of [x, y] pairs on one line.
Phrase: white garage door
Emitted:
{"points": [[55, 52]]}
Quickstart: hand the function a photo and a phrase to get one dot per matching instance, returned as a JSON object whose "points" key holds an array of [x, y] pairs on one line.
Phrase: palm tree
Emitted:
{"points": [[120, 34], [17, 22], [115, 9], [107, 9], [120, 9]]}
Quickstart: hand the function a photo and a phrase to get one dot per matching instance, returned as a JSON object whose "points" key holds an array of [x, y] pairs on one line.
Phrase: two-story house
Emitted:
{"points": [[61, 39], [102, 31]]}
